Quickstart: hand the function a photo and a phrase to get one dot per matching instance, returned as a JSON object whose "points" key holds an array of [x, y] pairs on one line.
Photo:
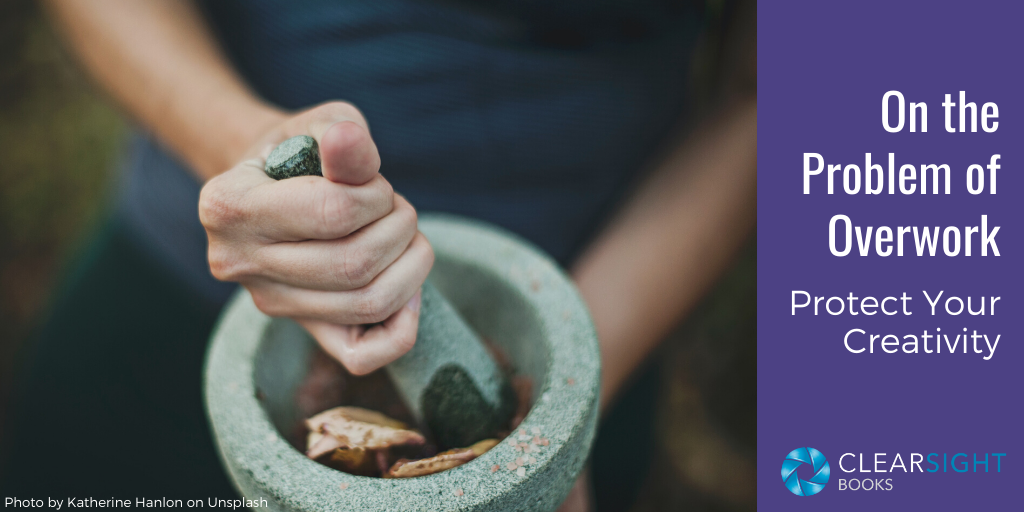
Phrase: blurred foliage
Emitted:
{"points": [[58, 141]]}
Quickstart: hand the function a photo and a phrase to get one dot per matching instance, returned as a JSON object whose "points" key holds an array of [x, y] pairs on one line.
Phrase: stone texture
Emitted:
{"points": [[449, 380], [297, 156], [509, 293]]}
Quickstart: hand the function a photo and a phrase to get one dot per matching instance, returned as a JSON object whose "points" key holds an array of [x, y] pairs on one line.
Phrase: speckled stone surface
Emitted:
{"points": [[297, 156], [449, 380], [509, 293]]}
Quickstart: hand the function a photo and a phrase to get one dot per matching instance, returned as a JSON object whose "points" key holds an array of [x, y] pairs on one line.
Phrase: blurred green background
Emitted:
{"points": [[59, 144]]}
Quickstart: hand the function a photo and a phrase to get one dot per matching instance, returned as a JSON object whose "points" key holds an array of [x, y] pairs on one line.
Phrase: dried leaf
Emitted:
{"points": [[352, 427], [481, 447], [357, 414], [406, 468], [318, 445], [353, 460]]}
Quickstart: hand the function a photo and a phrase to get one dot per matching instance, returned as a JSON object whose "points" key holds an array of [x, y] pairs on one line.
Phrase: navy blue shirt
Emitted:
{"points": [[532, 115]]}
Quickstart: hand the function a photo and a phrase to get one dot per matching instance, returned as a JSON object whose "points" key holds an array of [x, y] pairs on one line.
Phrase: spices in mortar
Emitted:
{"points": [[358, 440], [363, 442]]}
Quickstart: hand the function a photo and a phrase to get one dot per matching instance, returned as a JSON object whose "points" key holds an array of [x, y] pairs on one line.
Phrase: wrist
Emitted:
{"points": [[238, 129]]}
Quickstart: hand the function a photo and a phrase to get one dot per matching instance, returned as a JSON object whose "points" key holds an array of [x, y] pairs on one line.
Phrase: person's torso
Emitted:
{"points": [[533, 115]]}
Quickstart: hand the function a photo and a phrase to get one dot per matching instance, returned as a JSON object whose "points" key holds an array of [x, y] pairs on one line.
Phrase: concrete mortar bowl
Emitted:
{"points": [[506, 290]]}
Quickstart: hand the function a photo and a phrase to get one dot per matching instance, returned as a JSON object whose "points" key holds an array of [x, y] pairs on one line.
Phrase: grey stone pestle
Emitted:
{"points": [[448, 380]]}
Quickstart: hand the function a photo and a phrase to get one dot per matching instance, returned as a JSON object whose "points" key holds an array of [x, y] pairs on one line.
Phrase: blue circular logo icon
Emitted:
{"points": [[819, 466]]}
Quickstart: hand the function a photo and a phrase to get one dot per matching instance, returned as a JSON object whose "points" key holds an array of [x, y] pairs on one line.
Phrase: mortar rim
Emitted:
{"points": [[229, 388]]}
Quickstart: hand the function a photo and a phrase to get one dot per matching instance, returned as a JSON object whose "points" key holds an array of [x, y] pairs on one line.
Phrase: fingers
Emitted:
{"points": [[347, 152], [353, 195], [362, 350], [333, 253], [372, 303], [245, 201], [309, 207], [343, 264]]}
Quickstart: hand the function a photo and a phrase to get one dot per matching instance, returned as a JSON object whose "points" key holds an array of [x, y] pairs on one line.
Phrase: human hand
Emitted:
{"points": [[342, 256]]}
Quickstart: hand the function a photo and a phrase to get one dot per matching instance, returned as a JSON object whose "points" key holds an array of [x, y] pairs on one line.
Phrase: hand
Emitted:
{"points": [[341, 255]]}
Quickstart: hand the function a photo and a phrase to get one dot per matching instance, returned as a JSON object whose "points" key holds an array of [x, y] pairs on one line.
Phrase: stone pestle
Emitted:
{"points": [[448, 380]]}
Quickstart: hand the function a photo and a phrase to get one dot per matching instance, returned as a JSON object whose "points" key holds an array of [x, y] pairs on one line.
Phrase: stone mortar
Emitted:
{"points": [[506, 290]]}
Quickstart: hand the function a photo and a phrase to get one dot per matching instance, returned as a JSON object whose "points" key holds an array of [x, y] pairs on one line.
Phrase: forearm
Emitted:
{"points": [[158, 59], [671, 241]]}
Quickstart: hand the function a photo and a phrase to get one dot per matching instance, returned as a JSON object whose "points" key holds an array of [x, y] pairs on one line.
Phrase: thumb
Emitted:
{"points": [[348, 154]]}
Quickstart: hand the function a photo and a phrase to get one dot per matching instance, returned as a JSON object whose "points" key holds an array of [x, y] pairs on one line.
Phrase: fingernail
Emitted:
{"points": [[414, 302]]}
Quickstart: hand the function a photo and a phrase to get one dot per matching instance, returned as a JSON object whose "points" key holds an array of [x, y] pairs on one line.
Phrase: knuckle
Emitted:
{"points": [[334, 213], [387, 189], [353, 358], [224, 264], [264, 303], [428, 254], [408, 214], [413, 212], [358, 365], [358, 269], [218, 208], [404, 341], [372, 307]]}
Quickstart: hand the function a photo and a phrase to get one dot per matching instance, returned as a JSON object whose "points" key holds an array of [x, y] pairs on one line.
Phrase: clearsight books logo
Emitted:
{"points": [[816, 466], [809, 462]]}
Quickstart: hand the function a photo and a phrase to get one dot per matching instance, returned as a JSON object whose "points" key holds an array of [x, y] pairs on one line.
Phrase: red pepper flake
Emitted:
{"points": [[343, 486], [495, 468], [570, 381], [458, 492], [544, 441], [535, 440]]}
